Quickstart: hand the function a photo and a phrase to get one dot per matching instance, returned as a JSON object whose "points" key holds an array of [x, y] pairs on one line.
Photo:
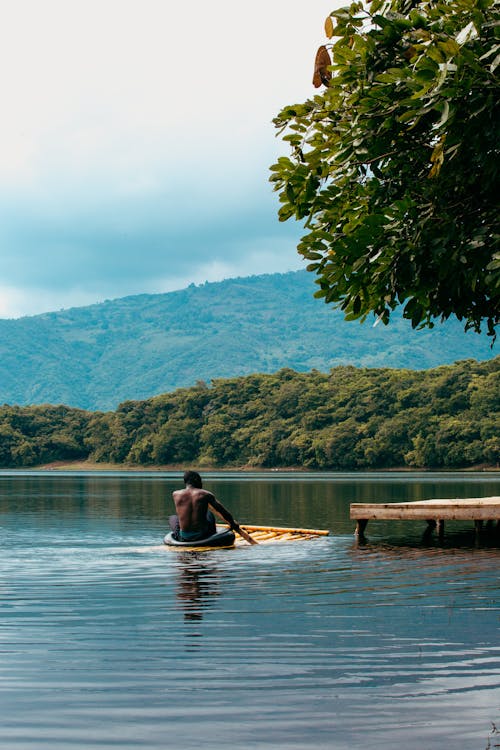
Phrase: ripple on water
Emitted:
{"points": [[117, 642]]}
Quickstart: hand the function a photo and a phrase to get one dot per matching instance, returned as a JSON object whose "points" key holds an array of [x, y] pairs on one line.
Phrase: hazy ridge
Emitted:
{"points": [[136, 347]]}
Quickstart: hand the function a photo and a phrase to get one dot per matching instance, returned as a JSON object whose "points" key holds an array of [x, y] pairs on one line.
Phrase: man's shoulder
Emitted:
{"points": [[205, 494], [193, 492], [180, 496]]}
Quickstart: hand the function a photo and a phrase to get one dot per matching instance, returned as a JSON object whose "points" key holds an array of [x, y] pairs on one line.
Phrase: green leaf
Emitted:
{"points": [[384, 232]]}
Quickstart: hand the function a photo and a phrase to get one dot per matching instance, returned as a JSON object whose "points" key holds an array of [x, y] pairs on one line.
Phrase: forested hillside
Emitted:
{"points": [[348, 419], [133, 348]]}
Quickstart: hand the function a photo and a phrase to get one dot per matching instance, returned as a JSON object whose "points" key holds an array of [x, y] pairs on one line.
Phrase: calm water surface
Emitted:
{"points": [[110, 640]]}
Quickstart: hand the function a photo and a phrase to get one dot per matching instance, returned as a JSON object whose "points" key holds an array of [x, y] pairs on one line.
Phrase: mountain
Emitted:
{"points": [[136, 347]]}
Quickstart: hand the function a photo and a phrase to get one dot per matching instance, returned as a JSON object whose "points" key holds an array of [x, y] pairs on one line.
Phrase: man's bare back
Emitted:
{"points": [[193, 504], [194, 519]]}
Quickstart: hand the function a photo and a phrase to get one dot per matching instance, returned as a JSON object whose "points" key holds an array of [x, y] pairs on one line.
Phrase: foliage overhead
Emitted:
{"points": [[347, 419], [394, 165]]}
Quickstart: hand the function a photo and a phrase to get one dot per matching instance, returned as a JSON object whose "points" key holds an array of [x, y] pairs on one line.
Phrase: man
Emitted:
{"points": [[194, 520]]}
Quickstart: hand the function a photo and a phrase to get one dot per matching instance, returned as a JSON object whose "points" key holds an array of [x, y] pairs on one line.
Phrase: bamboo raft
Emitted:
{"points": [[262, 535], [434, 512], [265, 534]]}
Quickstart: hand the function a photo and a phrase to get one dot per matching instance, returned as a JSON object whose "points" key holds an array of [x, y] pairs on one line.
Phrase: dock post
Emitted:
{"points": [[478, 527], [440, 529], [360, 527], [431, 525]]}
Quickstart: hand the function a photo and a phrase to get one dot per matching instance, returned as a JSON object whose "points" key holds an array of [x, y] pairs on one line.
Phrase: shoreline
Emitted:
{"points": [[93, 466]]}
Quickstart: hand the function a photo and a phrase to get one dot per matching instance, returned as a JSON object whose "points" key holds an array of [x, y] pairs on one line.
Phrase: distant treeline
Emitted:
{"points": [[348, 419]]}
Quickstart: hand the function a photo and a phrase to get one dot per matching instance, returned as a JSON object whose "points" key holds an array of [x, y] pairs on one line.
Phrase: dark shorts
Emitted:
{"points": [[193, 536]]}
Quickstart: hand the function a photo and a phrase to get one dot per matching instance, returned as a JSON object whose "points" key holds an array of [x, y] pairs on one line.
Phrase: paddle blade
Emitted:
{"points": [[246, 536]]}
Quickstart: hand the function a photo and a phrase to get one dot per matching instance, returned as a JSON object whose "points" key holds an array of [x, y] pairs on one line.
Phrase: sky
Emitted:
{"points": [[135, 144]]}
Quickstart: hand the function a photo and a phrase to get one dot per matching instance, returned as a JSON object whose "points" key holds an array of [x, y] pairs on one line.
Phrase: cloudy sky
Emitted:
{"points": [[135, 141]]}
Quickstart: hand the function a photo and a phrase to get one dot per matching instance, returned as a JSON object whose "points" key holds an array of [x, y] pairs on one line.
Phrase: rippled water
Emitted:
{"points": [[108, 639]]}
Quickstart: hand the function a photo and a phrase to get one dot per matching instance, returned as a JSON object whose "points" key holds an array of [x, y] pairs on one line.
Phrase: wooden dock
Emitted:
{"points": [[434, 512]]}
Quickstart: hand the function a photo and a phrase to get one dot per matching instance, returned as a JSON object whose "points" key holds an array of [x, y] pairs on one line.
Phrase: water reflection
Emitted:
{"points": [[197, 584], [320, 644], [314, 500]]}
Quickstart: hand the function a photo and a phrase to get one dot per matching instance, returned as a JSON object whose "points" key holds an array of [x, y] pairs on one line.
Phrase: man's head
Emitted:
{"points": [[192, 478]]}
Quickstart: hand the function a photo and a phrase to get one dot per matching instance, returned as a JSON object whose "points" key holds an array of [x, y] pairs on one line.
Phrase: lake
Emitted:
{"points": [[108, 639]]}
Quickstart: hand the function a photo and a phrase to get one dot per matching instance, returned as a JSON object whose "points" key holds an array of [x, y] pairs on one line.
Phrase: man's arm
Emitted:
{"points": [[226, 515], [219, 508]]}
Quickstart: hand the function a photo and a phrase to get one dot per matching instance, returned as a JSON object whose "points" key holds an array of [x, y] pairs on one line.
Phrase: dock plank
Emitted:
{"points": [[436, 511]]}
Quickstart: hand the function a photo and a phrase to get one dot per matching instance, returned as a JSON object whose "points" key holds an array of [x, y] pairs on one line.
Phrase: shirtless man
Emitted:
{"points": [[194, 520]]}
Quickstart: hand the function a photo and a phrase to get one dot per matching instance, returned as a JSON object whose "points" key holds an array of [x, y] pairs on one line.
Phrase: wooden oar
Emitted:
{"points": [[246, 536], [236, 527]]}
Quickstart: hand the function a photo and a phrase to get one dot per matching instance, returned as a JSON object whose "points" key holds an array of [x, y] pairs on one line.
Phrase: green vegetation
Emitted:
{"points": [[99, 356], [393, 167], [348, 419], [39, 434]]}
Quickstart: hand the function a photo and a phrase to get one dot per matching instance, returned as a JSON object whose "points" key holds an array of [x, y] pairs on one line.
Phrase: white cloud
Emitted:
{"points": [[133, 127], [16, 302]]}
